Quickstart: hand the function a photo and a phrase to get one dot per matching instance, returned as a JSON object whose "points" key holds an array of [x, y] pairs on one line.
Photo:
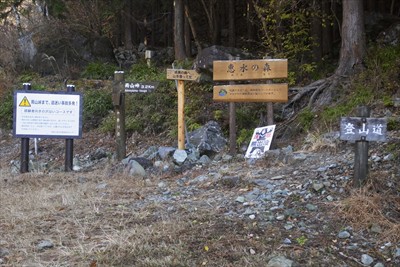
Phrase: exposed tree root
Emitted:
{"points": [[318, 91]]}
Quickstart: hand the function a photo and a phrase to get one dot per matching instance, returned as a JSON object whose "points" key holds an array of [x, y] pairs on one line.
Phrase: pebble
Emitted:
{"points": [[366, 259], [311, 207], [344, 234], [4, 252], [287, 241], [45, 244], [279, 261]]}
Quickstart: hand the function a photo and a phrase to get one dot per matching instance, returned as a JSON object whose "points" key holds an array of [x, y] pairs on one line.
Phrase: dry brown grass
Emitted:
{"points": [[373, 205], [118, 225]]}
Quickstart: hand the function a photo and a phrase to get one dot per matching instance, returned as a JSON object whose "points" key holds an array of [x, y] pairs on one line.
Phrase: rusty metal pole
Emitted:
{"points": [[69, 143], [119, 104], [24, 167], [361, 153]]}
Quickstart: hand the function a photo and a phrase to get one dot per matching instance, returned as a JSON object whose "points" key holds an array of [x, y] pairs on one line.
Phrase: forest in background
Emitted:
{"points": [[306, 32], [74, 39]]}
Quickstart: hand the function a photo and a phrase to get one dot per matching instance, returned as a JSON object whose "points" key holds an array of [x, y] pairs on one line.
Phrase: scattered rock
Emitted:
{"points": [[44, 244], [344, 234], [135, 169], [279, 261], [180, 156], [366, 259], [4, 252]]}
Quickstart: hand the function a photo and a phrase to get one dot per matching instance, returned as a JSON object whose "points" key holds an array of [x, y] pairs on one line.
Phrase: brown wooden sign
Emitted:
{"points": [[233, 70], [183, 75], [251, 93]]}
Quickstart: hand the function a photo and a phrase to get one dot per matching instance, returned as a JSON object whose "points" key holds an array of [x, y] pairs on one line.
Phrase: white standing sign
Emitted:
{"points": [[47, 114], [260, 142]]}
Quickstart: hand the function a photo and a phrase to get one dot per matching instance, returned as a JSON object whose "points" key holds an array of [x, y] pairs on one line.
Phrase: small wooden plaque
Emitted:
{"points": [[183, 75]]}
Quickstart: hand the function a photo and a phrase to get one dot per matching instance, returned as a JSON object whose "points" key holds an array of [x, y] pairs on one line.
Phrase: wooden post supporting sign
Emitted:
{"points": [[262, 69], [362, 129], [181, 75], [118, 97]]}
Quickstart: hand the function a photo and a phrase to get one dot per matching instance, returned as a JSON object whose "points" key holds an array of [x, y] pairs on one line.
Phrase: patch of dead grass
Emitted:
{"points": [[365, 208]]}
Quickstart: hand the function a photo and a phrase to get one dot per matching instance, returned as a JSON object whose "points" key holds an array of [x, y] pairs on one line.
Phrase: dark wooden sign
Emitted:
{"points": [[233, 70], [365, 129], [140, 87], [251, 93]]}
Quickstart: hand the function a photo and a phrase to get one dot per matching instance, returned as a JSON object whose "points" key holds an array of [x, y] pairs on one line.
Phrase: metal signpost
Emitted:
{"points": [[362, 130], [261, 69], [181, 75], [39, 114]]}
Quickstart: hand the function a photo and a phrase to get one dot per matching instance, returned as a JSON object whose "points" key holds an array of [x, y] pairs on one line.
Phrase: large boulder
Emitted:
{"points": [[390, 36], [206, 57], [208, 139]]}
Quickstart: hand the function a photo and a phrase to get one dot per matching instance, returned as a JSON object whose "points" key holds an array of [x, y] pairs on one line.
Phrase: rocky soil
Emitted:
{"points": [[295, 207]]}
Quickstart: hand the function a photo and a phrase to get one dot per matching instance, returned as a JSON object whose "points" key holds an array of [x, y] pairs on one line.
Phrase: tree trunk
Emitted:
{"points": [[188, 39], [327, 29], [353, 46], [231, 18], [179, 40], [127, 13], [250, 24], [316, 33], [216, 14], [192, 27]]}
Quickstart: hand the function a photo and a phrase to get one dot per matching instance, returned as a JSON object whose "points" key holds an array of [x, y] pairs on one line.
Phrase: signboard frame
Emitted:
{"points": [[44, 111]]}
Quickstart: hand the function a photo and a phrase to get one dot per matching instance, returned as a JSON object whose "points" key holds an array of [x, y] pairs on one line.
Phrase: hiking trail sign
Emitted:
{"points": [[261, 69], [247, 71], [140, 87], [181, 75], [366, 129], [361, 130]]}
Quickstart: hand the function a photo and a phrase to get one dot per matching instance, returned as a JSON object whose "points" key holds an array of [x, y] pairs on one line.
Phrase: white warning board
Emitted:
{"points": [[47, 114]]}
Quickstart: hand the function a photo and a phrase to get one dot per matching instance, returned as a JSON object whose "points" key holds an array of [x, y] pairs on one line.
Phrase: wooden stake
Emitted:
{"points": [[119, 104], [361, 153], [232, 128], [181, 114]]}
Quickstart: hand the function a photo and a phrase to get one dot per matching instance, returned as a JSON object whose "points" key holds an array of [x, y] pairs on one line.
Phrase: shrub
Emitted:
{"points": [[96, 106], [99, 71], [6, 110]]}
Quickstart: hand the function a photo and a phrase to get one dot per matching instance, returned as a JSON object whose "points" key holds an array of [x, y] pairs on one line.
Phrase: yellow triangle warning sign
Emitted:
{"points": [[25, 102]]}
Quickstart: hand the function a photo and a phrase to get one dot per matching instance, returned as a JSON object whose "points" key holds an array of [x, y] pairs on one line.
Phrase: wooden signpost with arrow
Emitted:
{"points": [[181, 75]]}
